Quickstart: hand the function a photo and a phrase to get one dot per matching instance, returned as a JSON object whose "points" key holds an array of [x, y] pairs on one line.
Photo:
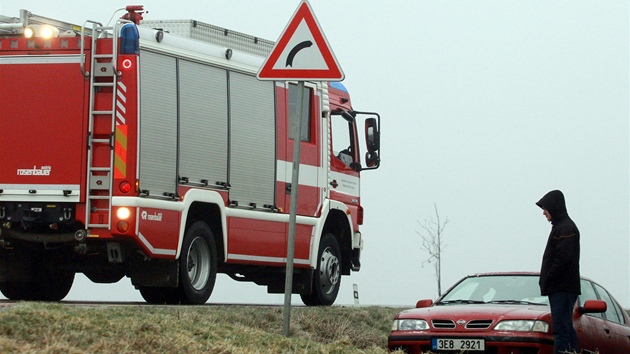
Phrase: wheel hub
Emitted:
{"points": [[198, 263], [329, 271]]}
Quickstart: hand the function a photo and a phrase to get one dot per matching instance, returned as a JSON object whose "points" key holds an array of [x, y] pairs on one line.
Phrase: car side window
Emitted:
{"points": [[588, 293], [611, 309], [619, 312]]}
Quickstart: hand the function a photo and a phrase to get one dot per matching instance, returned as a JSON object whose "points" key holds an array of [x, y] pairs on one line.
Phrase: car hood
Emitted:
{"points": [[479, 311]]}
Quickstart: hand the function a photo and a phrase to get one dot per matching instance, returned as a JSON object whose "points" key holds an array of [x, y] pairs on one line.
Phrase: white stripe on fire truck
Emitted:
{"points": [[308, 173], [122, 99], [45, 192], [122, 88], [41, 59], [121, 106], [153, 250], [120, 117], [248, 257], [309, 177]]}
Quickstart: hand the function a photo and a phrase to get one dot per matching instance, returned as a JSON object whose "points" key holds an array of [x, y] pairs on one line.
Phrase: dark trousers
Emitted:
{"points": [[565, 338]]}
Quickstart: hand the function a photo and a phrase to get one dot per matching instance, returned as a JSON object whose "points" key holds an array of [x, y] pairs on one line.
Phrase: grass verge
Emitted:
{"points": [[30, 327]]}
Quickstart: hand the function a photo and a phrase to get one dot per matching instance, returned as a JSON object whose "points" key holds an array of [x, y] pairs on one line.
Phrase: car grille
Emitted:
{"points": [[450, 324], [478, 324], [443, 324]]}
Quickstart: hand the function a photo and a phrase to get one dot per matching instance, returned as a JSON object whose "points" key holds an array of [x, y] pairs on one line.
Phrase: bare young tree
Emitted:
{"points": [[433, 243]]}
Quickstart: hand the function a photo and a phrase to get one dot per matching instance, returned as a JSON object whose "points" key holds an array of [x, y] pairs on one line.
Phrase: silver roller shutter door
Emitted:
{"points": [[252, 132], [203, 122], [158, 124]]}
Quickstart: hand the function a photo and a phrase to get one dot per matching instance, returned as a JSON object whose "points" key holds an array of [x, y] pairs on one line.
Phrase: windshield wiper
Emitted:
{"points": [[460, 301], [518, 302]]}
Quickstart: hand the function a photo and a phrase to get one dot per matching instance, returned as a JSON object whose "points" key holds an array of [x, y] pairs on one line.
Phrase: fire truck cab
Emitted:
{"points": [[149, 150]]}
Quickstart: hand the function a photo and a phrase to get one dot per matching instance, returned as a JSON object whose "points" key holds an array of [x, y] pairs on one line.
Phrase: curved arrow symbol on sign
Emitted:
{"points": [[295, 50]]}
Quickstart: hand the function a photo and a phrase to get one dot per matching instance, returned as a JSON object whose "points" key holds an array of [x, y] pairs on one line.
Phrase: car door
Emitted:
{"points": [[592, 336], [615, 324]]}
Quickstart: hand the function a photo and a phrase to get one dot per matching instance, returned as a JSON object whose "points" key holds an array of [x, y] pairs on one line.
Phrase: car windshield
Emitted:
{"points": [[501, 289]]}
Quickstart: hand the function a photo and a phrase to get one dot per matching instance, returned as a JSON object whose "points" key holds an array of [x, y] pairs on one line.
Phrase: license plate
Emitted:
{"points": [[458, 344]]}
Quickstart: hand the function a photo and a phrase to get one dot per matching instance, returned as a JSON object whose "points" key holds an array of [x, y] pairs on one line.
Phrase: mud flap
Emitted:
{"points": [[155, 273], [302, 283]]}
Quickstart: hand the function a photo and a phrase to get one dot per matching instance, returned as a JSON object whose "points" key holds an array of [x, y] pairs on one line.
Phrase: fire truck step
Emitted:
{"points": [[102, 141], [100, 197], [97, 226]]}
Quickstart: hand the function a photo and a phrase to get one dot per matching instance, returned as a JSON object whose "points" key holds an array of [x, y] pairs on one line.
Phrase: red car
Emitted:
{"points": [[503, 313]]}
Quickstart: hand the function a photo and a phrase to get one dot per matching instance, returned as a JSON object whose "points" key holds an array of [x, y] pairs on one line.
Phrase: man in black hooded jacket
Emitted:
{"points": [[560, 270]]}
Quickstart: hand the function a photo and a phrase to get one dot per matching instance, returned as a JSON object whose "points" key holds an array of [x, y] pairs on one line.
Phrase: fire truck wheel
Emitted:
{"points": [[158, 295], [53, 285], [18, 290], [327, 277], [47, 284], [198, 264]]}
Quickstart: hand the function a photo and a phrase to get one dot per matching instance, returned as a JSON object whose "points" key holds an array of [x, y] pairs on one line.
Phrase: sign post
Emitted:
{"points": [[301, 54]]}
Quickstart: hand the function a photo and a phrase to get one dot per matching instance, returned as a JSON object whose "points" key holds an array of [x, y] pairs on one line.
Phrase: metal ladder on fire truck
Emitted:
{"points": [[102, 74]]}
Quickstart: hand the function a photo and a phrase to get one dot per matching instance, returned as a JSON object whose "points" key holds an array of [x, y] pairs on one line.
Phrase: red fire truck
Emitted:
{"points": [[149, 149]]}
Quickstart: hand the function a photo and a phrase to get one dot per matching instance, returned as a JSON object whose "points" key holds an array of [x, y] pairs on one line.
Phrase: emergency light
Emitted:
{"points": [[41, 31], [129, 39]]}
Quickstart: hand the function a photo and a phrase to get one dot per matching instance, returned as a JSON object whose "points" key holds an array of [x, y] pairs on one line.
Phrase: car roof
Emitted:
{"points": [[503, 273], [483, 274]]}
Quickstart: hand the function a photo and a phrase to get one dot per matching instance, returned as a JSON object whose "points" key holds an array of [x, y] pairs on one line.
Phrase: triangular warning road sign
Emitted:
{"points": [[302, 52]]}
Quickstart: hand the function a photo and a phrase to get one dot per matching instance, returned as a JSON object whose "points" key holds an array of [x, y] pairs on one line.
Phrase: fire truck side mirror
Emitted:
{"points": [[371, 134], [372, 140]]}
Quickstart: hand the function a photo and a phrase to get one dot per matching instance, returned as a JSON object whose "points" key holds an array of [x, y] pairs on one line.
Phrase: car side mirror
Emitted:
{"points": [[593, 306], [424, 303]]}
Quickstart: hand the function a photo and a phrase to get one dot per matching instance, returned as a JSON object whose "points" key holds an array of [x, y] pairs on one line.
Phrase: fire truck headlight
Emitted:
{"points": [[29, 32], [41, 31], [49, 32], [123, 213]]}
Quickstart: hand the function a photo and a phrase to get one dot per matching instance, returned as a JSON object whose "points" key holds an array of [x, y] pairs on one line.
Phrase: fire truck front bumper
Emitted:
{"points": [[6, 234]]}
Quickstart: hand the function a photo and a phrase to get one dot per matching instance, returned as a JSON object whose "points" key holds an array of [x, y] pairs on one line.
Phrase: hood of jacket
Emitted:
{"points": [[553, 202]]}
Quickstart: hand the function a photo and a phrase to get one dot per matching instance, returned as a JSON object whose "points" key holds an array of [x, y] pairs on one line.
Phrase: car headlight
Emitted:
{"points": [[410, 325], [522, 326]]}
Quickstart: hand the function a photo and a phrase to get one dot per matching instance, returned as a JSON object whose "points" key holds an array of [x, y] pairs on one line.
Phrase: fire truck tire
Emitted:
{"points": [[53, 285], [47, 285], [327, 276], [198, 264], [158, 295], [17, 290]]}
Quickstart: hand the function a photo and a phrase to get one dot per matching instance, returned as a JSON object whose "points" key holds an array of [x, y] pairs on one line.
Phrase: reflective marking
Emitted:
{"points": [[148, 245], [248, 257], [40, 59], [120, 159], [308, 173]]}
